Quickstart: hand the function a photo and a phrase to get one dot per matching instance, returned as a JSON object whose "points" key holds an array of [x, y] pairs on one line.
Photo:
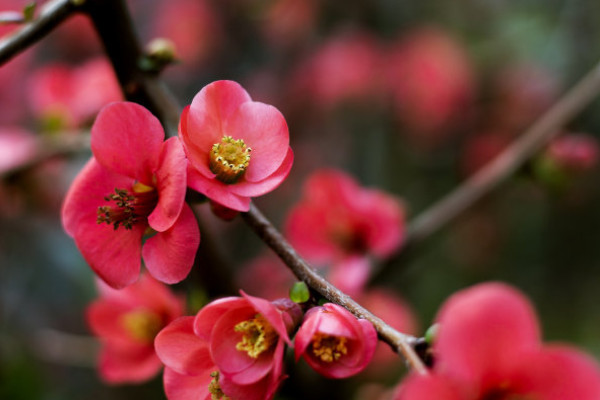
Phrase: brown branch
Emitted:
{"points": [[402, 343], [51, 15], [509, 161], [114, 27]]}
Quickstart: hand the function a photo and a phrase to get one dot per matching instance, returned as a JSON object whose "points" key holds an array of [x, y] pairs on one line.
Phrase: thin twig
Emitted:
{"points": [[51, 15], [402, 343], [509, 161]]}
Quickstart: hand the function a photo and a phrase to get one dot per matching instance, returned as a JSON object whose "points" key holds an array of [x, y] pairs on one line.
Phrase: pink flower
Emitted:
{"points": [[345, 68], [334, 343], [339, 222], [574, 152], [489, 347], [431, 83], [233, 347], [133, 187], [266, 268], [126, 322], [238, 148], [67, 97], [17, 147]]}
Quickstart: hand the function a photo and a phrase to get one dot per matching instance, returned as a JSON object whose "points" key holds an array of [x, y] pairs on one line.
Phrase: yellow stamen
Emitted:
{"points": [[258, 336], [142, 325], [229, 159], [216, 393], [329, 348]]}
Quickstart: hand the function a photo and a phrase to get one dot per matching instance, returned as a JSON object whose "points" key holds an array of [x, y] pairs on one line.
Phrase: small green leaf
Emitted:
{"points": [[29, 11], [432, 333], [299, 293]]}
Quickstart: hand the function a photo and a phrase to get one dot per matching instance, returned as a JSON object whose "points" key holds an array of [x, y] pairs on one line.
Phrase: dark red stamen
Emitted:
{"points": [[128, 209]]}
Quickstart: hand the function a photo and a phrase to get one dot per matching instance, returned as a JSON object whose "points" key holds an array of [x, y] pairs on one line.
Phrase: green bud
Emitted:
{"points": [[299, 293], [432, 333]]}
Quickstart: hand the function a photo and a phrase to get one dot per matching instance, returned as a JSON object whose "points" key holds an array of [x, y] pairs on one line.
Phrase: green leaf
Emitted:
{"points": [[29, 11]]}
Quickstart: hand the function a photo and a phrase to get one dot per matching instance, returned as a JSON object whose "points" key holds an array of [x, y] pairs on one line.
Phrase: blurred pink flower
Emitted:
{"points": [[289, 21], [488, 347], [192, 25], [126, 322], [334, 343], [133, 186], [574, 152], [340, 223], [266, 268], [431, 83], [345, 68], [17, 147], [237, 148], [67, 97]]}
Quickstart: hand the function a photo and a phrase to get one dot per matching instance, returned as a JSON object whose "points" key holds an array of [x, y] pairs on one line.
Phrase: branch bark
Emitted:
{"points": [[51, 15], [497, 171]]}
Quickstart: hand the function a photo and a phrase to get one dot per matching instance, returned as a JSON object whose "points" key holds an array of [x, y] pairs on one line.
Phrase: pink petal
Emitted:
{"points": [[113, 254], [307, 330], [224, 340], [264, 129], [128, 364], [430, 387], [206, 318], [351, 274], [169, 255], [127, 138], [557, 373], [253, 189], [210, 108], [483, 331], [271, 314], [181, 350], [171, 182], [217, 191], [260, 390], [103, 317], [186, 387], [198, 156]]}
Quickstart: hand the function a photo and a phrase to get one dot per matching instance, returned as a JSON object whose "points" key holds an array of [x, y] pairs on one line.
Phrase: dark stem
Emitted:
{"points": [[51, 15]]}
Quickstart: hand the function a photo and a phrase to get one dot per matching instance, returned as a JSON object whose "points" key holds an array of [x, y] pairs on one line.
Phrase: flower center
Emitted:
{"points": [[229, 159], [142, 325], [258, 336], [329, 348], [216, 393], [129, 207]]}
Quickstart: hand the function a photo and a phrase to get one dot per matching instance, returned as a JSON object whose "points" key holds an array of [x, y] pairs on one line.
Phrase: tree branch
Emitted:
{"points": [[114, 27], [402, 343], [51, 15], [510, 160]]}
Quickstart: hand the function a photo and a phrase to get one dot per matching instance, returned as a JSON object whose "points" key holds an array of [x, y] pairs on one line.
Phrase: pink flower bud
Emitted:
{"points": [[574, 152], [334, 343]]}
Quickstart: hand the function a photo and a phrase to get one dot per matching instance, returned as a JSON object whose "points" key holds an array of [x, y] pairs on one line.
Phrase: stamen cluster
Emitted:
{"points": [[229, 159]]}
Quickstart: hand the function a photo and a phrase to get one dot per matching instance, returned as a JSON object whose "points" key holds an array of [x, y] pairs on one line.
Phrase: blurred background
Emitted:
{"points": [[409, 98]]}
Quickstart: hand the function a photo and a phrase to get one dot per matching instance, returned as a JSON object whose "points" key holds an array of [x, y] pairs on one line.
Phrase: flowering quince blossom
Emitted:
{"points": [[334, 342], [339, 222], [488, 348], [233, 347], [126, 321], [133, 187], [237, 148], [576, 152]]}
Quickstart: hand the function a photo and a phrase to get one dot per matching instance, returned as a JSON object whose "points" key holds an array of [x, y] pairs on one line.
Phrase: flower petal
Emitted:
{"points": [[169, 255], [171, 182], [217, 191], [428, 387], [206, 318], [263, 128], [186, 387], [181, 350], [203, 121], [224, 340], [484, 330], [253, 189], [119, 364], [271, 314], [127, 139]]}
